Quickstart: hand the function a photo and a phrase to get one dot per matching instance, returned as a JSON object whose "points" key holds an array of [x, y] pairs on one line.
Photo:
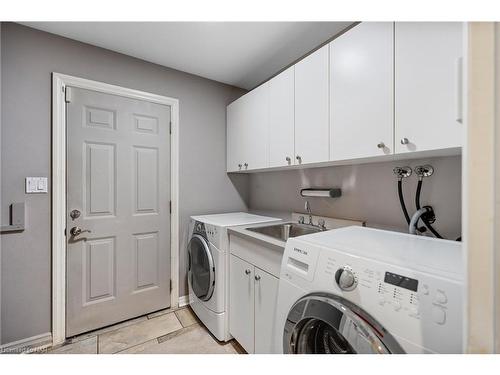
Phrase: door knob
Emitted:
{"points": [[75, 231]]}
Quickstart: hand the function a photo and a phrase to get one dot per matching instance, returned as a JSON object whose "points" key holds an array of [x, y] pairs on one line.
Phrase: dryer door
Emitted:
{"points": [[201, 268], [327, 324]]}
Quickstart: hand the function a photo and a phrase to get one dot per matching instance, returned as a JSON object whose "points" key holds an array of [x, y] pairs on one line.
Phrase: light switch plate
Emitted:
{"points": [[36, 185]]}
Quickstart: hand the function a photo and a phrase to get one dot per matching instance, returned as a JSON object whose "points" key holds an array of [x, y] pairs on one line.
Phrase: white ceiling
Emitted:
{"points": [[242, 54]]}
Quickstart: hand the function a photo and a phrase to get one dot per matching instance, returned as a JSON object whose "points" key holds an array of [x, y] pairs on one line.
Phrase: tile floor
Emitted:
{"points": [[164, 332]]}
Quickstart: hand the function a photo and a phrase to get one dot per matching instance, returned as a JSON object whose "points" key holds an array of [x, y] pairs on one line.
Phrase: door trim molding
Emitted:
{"points": [[59, 83]]}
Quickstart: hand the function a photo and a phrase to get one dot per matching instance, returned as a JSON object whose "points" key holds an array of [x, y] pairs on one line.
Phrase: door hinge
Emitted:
{"points": [[170, 284], [170, 127], [67, 94], [170, 206]]}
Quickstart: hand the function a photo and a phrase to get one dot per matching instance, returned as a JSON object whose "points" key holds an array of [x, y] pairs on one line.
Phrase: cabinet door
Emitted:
{"points": [[428, 84], [256, 128], [241, 302], [266, 296], [311, 108], [281, 119], [361, 92], [234, 121]]}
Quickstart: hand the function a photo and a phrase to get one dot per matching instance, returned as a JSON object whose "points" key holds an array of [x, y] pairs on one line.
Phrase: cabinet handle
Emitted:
{"points": [[247, 272], [404, 141], [459, 90], [381, 145], [257, 277], [299, 159]]}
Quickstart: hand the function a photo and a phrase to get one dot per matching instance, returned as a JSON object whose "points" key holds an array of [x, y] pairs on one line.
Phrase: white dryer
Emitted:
{"points": [[362, 290], [208, 267]]}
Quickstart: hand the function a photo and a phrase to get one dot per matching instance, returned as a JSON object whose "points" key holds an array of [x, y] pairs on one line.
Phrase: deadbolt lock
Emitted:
{"points": [[75, 214]]}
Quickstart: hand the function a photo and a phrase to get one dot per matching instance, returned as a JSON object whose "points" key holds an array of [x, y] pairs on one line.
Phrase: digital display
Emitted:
{"points": [[401, 281]]}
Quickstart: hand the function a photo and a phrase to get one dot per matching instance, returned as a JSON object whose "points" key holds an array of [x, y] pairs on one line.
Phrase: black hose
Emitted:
{"points": [[402, 201], [403, 206], [417, 205]]}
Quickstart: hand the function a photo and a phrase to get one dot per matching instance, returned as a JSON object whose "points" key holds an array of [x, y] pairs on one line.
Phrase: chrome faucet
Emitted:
{"points": [[321, 222], [308, 210]]}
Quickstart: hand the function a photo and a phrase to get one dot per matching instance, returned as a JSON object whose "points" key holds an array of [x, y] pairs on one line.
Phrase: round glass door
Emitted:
{"points": [[201, 270], [325, 324]]}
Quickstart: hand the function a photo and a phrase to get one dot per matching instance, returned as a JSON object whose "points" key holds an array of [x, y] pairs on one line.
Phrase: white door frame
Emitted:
{"points": [[59, 83]]}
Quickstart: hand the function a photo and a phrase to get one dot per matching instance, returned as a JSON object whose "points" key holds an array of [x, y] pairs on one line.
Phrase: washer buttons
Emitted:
{"points": [[438, 315], [425, 290], [440, 297]]}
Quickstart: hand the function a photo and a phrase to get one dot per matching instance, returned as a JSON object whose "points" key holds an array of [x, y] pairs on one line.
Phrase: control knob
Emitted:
{"points": [[345, 279]]}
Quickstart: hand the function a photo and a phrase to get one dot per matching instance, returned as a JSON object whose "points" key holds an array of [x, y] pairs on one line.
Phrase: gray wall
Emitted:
{"points": [[1, 207], [369, 193], [28, 58]]}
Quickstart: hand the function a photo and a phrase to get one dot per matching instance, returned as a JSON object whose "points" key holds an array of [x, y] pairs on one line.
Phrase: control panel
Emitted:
{"points": [[212, 234], [422, 308]]}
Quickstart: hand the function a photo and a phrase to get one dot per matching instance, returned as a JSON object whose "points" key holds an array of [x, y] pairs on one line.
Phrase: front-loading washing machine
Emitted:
{"points": [[208, 267], [363, 290]]}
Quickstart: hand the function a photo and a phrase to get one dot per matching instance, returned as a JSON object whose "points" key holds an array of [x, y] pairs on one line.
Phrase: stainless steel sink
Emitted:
{"points": [[284, 231]]}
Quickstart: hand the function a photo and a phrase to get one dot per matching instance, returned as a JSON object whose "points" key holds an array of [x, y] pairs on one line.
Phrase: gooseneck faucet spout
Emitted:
{"points": [[308, 209]]}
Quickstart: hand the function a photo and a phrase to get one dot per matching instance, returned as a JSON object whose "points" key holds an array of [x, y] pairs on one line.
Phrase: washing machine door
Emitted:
{"points": [[327, 324], [201, 268]]}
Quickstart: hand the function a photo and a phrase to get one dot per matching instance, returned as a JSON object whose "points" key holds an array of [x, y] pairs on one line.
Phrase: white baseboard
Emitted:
{"points": [[183, 301], [28, 345]]}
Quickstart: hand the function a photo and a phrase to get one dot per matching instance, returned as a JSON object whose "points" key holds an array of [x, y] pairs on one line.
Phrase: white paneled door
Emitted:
{"points": [[118, 219]]}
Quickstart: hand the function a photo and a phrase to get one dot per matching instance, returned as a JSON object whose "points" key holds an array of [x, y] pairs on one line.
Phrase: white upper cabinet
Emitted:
{"points": [[311, 108], [428, 84], [235, 140], [361, 92], [248, 131], [281, 119]]}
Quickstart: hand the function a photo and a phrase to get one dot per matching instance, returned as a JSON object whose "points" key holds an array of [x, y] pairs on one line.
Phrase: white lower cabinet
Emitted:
{"points": [[266, 295], [252, 305]]}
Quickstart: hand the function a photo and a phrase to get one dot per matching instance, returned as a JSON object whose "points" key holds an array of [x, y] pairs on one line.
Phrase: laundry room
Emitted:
{"points": [[200, 183]]}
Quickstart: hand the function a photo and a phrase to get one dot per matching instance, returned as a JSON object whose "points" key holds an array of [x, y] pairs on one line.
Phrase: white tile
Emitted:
{"points": [[194, 339], [186, 317], [87, 346], [126, 337]]}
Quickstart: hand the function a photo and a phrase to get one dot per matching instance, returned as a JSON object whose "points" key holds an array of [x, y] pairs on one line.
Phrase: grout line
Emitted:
{"points": [[136, 345]]}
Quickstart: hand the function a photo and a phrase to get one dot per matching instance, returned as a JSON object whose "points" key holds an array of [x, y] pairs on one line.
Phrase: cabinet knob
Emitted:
{"points": [[257, 277], [246, 165], [247, 272], [299, 158], [288, 159], [240, 165], [404, 141], [381, 145]]}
